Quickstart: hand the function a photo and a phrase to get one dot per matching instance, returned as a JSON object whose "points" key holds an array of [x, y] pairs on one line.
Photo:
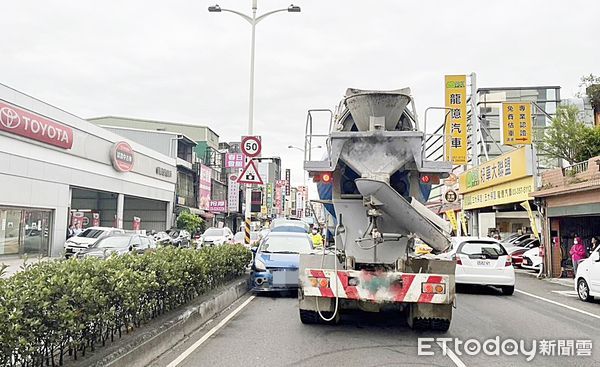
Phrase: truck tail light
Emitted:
{"points": [[430, 178], [324, 177], [319, 282], [433, 288]]}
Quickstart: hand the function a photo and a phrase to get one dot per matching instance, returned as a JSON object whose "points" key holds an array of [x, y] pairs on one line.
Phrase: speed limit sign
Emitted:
{"points": [[251, 146]]}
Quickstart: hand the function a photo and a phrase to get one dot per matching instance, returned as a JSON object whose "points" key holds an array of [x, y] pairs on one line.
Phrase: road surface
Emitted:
{"points": [[266, 331]]}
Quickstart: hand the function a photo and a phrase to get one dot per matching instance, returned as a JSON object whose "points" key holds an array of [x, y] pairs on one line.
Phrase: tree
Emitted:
{"points": [[590, 146], [592, 89], [189, 222], [568, 138]]}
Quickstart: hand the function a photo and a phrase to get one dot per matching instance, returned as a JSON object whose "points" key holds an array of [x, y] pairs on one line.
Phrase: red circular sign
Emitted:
{"points": [[122, 157], [251, 146]]}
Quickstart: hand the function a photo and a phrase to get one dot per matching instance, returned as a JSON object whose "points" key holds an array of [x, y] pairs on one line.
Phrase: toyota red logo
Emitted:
{"points": [[18, 121], [9, 118]]}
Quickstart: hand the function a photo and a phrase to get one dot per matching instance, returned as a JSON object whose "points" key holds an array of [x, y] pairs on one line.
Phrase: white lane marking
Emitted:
{"points": [[567, 293], [559, 304], [452, 356], [204, 338]]}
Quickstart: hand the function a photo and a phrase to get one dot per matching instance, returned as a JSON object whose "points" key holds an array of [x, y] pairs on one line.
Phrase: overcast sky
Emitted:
{"points": [[174, 61]]}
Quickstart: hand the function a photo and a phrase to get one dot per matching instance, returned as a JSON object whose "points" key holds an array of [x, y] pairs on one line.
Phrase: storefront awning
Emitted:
{"points": [[192, 210]]}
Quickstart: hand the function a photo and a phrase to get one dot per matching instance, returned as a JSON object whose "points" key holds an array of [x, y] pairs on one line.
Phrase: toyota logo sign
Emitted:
{"points": [[20, 122], [9, 118]]}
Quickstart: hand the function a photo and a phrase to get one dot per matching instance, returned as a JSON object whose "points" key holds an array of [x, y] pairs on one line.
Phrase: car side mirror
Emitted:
{"points": [[596, 256], [254, 249]]}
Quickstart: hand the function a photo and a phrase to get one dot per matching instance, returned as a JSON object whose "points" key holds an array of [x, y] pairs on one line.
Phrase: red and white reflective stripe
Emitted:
{"points": [[377, 287]]}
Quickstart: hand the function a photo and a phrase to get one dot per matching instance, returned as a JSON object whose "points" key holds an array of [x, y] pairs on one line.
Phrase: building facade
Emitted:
{"points": [[57, 169], [182, 149], [569, 198]]}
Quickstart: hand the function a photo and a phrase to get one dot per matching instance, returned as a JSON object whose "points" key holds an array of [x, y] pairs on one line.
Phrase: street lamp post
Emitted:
{"points": [[254, 20]]}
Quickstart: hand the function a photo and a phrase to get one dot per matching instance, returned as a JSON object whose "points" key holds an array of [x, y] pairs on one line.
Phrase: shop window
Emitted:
{"points": [[24, 231]]}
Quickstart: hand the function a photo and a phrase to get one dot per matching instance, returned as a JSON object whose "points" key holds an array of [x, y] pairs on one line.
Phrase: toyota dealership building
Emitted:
{"points": [[57, 169]]}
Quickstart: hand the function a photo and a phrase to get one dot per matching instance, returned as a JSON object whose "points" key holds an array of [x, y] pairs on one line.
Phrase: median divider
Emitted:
{"points": [[163, 334]]}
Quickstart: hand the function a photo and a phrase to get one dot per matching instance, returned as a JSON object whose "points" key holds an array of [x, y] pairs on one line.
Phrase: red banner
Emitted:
{"points": [[95, 219], [137, 222], [23, 123]]}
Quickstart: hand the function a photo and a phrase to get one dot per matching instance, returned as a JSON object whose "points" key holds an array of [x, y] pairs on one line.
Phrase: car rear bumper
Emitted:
{"points": [[503, 277], [528, 263], [265, 281]]}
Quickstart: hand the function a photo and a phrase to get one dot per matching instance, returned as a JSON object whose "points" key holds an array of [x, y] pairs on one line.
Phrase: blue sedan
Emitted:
{"points": [[276, 261]]}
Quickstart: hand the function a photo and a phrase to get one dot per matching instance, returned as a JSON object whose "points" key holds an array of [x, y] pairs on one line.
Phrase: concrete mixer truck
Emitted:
{"points": [[373, 182]]}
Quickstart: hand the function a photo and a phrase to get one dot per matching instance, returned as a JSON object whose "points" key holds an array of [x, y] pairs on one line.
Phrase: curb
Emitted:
{"points": [[160, 336]]}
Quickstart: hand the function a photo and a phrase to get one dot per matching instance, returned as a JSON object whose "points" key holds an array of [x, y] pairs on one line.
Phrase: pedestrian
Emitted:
{"points": [[316, 238], [577, 252], [78, 230], [70, 231]]}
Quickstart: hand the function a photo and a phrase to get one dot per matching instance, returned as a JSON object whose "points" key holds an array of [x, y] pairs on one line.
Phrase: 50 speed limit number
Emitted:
{"points": [[251, 146]]}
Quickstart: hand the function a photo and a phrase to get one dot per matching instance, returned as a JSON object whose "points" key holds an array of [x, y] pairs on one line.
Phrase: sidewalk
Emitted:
{"points": [[567, 282], [15, 264]]}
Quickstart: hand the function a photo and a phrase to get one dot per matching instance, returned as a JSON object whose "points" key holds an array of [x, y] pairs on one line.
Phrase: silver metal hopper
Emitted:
{"points": [[385, 107]]}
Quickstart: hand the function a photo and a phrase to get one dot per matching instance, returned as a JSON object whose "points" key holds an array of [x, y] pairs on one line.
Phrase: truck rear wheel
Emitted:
{"points": [[432, 317], [431, 324], [308, 317]]}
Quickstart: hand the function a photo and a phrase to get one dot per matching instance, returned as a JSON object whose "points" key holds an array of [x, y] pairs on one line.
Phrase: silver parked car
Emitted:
{"points": [[119, 245]]}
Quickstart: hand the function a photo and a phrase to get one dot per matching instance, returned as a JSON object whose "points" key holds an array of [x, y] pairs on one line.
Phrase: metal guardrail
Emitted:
{"points": [[437, 136], [309, 135], [575, 169]]}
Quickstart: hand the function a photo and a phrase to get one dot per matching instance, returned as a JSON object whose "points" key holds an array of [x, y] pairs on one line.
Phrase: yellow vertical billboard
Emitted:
{"points": [[452, 218], [516, 123], [456, 123]]}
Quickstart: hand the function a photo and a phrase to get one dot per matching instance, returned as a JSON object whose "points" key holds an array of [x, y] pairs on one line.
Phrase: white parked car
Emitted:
{"points": [[482, 261], [87, 238], [532, 259], [239, 239], [587, 282], [216, 236]]}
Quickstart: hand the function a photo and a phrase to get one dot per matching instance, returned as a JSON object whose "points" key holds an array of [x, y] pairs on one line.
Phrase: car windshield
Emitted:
{"points": [[91, 233], [113, 242], [285, 244], [487, 249], [214, 232]]}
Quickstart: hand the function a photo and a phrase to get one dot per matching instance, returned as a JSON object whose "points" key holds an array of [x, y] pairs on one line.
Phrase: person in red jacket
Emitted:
{"points": [[577, 252]]}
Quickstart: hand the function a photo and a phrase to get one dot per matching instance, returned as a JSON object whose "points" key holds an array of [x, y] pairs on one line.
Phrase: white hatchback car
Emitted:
{"points": [[483, 261], [587, 278], [87, 238], [216, 237]]}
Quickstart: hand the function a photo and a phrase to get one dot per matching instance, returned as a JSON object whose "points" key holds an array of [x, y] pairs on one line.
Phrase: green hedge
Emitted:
{"points": [[63, 308]]}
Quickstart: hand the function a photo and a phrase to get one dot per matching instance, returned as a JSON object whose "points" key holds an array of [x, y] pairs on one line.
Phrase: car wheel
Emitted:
{"points": [[583, 291], [508, 290]]}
